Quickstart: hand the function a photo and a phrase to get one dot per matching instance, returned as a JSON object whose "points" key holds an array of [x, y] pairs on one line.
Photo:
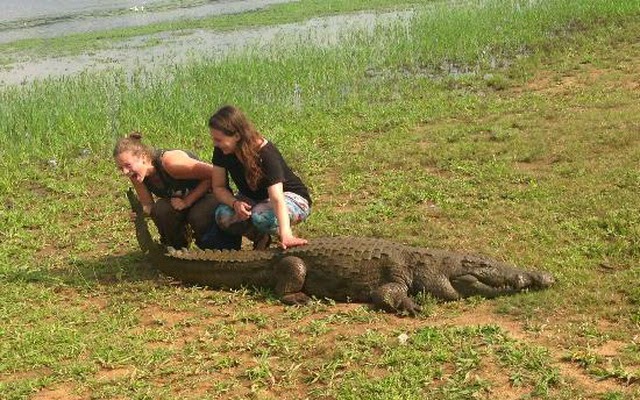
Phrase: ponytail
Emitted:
{"points": [[133, 143]]}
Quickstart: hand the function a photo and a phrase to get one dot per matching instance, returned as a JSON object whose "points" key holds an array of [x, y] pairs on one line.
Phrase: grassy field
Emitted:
{"points": [[508, 128]]}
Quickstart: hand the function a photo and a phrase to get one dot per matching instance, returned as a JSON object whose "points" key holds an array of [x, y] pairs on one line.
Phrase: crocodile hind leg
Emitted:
{"points": [[394, 297], [290, 275]]}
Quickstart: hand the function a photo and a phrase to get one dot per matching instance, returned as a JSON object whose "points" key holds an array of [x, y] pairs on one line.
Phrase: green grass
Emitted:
{"points": [[520, 142]]}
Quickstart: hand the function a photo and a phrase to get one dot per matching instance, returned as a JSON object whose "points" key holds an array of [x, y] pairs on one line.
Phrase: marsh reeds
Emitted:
{"points": [[289, 83]]}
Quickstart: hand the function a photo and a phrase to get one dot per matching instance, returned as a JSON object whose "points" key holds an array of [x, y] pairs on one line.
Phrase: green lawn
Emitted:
{"points": [[507, 128]]}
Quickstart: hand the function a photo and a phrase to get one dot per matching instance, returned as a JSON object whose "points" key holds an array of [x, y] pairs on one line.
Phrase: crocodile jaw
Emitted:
{"points": [[493, 285]]}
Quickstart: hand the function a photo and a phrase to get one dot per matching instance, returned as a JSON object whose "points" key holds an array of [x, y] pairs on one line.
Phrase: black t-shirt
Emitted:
{"points": [[273, 166]]}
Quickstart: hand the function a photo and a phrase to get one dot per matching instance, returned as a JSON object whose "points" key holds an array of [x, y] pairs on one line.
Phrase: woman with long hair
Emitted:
{"points": [[270, 198]]}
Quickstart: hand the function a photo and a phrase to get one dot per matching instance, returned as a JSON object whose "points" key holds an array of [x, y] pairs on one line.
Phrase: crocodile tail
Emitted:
{"points": [[145, 241]]}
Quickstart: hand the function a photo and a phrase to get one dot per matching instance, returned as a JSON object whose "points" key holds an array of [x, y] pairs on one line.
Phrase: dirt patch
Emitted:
{"points": [[501, 388], [60, 392], [26, 375], [540, 165], [157, 316], [483, 315], [115, 374], [610, 349]]}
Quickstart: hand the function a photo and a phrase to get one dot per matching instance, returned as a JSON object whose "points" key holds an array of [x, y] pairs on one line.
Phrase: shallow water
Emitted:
{"points": [[174, 48], [16, 10], [28, 19]]}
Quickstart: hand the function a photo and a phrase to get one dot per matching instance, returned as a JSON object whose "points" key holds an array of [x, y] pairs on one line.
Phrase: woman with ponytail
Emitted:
{"points": [[270, 196], [174, 188]]}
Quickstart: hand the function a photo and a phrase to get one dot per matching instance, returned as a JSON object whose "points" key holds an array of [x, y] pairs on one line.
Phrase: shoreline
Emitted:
{"points": [[60, 26], [156, 51]]}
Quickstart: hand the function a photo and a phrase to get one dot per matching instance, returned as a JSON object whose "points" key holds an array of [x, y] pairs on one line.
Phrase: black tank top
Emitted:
{"points": [[169, 186]]}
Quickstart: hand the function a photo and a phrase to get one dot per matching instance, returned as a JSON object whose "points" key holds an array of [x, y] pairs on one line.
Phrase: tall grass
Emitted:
{"points": [[291, 87]]}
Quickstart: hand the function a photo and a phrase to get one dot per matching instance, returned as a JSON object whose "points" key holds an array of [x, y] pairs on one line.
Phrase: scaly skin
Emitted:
{"points": [[363, 270]]}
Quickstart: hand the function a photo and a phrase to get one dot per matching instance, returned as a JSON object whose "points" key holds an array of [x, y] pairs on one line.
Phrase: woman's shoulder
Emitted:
{"points": [[168, 158], [221, 159], [268, 147], [177, 155], [177, 158]]}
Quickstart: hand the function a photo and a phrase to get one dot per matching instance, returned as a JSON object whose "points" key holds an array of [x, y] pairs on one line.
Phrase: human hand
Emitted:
{"points": [[178, 203], [242, 209]]}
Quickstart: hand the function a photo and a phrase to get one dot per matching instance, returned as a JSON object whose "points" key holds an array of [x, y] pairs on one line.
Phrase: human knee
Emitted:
{"points": [[264, 221], [200, 217], [224, 216], [163, 214], [161, 208]]}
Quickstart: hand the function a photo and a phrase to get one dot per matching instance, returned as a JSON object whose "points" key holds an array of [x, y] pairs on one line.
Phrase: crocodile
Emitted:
{"points": [[345, 269]]}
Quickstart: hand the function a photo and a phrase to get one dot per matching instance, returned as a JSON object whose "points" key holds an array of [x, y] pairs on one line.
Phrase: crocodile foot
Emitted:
{"points": [[297, 298], [409, 307]]}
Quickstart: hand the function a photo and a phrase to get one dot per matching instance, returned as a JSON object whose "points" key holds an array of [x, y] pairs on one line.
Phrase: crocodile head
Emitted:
{"points": [[478, 276]]}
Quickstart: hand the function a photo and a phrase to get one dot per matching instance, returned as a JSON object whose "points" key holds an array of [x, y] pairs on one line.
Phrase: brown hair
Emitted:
{"points": [[231, 121], [133, 143]]}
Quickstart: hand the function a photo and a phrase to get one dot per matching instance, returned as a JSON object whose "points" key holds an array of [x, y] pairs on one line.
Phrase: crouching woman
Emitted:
{"points": [[173, 187], [270, 198]]}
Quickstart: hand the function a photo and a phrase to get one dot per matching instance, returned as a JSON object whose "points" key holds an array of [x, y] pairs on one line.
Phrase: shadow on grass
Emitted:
{"points": [[111, 270], [78, 272]]}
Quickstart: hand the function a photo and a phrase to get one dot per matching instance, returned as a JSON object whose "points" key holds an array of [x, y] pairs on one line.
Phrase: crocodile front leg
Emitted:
{"points": [[394, 297], [290, 275]]}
